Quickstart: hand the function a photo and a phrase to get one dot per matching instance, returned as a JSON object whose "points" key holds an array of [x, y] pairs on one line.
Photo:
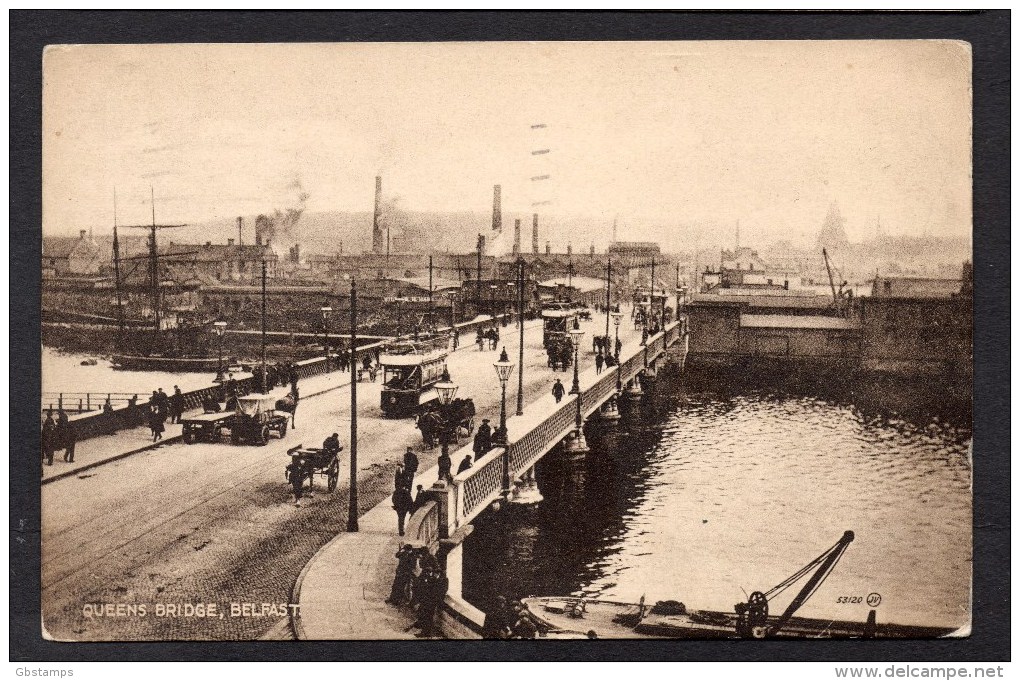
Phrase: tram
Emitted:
{"points": [[411, 366], [557, 320]]}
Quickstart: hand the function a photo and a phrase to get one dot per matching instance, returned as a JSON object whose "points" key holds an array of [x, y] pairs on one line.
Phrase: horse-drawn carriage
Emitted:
{"points": [[311, 461], [439, 423], [248, 419]]}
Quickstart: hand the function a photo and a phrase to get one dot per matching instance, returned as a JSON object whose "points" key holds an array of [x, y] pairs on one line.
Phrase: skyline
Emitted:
{"points": [[659, 134]]}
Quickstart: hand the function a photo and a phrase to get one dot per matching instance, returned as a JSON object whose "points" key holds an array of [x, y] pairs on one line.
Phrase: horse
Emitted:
{"points": [[430, 424], [288, 405]]}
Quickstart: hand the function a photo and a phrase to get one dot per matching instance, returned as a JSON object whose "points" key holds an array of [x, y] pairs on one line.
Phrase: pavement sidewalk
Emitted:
{"points": [[96, 451]]}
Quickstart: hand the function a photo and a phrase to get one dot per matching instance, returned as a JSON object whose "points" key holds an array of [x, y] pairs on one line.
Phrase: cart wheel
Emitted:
{"points": [[333, 475], [189, 438], [264, 436], [283, 429]]}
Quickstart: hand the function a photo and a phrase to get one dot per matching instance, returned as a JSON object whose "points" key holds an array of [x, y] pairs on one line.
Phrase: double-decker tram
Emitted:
{"points": [[411, 366]]}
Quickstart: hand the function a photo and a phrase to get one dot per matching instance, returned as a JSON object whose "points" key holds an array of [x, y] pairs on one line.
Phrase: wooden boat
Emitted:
{"points": [[164, 363], [575, 617], [751, 620]]}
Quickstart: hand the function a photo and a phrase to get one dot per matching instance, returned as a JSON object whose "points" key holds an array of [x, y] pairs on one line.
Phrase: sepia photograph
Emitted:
{"points": [[507, 340]]}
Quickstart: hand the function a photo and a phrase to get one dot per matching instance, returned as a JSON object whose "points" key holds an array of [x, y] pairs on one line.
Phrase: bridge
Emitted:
{"points": [[338, 589]]}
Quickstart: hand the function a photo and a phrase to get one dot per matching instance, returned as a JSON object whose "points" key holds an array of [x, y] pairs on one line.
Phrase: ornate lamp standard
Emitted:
{"points": [[446, 389], [326, 311], [504, 367], [219, 328], [578, 444], [352, 499], [617, 317]]}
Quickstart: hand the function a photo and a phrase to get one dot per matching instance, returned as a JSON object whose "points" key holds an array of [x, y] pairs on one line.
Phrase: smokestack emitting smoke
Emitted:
{"points": [[534, 233], [377, 235], [517, 237], [497, 209], [278, 226]]}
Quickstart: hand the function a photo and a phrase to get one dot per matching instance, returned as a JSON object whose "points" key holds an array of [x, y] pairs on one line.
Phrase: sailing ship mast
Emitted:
{"points": [[116, 271]]}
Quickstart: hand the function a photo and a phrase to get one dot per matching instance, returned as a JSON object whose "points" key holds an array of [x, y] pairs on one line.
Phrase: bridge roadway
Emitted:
{"points": [[210, 523], [342, 591]]}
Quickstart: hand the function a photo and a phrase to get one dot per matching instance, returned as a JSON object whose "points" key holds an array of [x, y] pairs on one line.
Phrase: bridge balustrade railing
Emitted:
{"points": [[423, 525], [482, 483]]}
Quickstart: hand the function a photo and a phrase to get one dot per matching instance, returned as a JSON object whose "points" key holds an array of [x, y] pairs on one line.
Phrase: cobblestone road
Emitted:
{"points": [[209, 523]]}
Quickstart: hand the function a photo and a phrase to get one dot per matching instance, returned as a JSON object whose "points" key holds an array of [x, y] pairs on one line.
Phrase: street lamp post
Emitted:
{"points": [[504, 367], [219, 328], [352, 507], [326, 311], [578, 444], [446, 390], [617, 317]]}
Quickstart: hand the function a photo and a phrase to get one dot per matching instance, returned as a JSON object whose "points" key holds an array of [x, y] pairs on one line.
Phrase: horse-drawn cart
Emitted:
{"points": [[437, 422], [204, 427], [312, 461]]}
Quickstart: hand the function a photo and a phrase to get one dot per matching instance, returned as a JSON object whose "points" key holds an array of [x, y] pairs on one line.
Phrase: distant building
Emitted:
{"points": [[915, 287], [227, 263], [833, 232], [68, 256]]}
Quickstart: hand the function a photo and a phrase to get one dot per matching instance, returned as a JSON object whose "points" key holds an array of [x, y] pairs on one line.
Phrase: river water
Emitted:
{"points": [[63, 372], [713, 494]]}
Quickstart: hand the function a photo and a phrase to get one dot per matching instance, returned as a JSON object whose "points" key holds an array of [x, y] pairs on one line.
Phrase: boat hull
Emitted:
{"points": [[614, 620], [166, 364]]}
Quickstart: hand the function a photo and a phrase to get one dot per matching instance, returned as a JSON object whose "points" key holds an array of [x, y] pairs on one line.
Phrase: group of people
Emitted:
{"points": [[420, 583], [57, 434], [279, 373], [489, 335], [507, 621], [162, 407]]}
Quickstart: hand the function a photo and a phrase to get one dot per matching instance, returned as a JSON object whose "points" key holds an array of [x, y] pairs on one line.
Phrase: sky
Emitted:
{"points": [[656, 134]]}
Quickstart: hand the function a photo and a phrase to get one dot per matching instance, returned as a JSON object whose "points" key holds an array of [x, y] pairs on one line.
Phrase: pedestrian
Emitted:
{"points": [[176, 406], [456, 338], [496, 626], [132, 416], [445, 467], [432, 586], [296, 472], [558, 390], [419, 498], [483, 440], [410, 465], [599, 361], [49, 438], [109, 417], [156, 423], [465, 464], [163, 402], [292, 377], [66, 436], [480, 341], [407, 560], [402, 501]]}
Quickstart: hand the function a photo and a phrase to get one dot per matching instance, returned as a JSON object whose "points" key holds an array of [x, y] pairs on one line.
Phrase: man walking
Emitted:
{"points": [[445, 467], [49, 438], [176, 405], [410, 465], [483, 440], [599, 361], [558, 391], [402, 501]]}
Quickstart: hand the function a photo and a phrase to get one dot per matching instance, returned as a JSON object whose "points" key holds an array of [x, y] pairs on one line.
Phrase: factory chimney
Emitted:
{"points": [[517, 237], [534, 233], [377, 234], [570, 248], [497, 209], [548, 248], [240, 239]]}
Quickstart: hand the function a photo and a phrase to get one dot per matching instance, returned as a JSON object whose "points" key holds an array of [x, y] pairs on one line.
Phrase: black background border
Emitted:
{"points": [[987, 31]]}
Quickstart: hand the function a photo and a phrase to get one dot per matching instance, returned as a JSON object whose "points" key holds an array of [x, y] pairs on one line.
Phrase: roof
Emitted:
{"points": [[579, 283], [814, 302], [219, 252], [782, 321], [423, 283], [58, 246]]}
